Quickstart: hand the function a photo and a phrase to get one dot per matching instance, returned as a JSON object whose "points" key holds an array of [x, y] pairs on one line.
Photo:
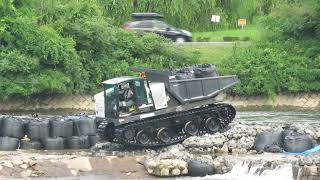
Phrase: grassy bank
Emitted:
{"points": [[251, 32], [215, 54]]}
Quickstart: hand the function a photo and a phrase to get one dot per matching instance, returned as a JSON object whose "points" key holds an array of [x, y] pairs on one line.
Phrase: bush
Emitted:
{"points": [[71, 47], [268, 69], [230, 38], [287, 60], [246, 38]]}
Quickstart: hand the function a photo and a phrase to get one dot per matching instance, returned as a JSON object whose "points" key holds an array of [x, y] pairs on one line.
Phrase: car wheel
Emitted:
{"points": [[180, 39]]}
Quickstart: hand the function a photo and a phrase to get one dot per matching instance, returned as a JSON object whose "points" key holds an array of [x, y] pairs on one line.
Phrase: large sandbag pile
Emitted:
{"points": [[195, 71], [50, 134]]}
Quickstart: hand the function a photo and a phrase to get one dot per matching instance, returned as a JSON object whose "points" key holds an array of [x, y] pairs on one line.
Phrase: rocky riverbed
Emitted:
{"points": [[218, 153]]}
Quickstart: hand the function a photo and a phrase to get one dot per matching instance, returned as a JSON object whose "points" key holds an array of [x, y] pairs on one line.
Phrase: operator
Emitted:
{"points": [[127, 97]]}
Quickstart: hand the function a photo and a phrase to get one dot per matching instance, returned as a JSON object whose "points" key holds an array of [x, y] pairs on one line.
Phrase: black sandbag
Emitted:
{"points": [[30, 145], [53, 143], [84, 126], [186, 75], [297, 143], [273, 148], [13, 127], [268, 138], [8, 143], [61, 128], [205, 70], [199, 168], [38, 129], [78, 142], [94, 140]]}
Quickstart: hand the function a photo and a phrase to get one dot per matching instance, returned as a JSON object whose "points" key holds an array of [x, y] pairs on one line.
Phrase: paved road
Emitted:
{"points": [[214, 43]]}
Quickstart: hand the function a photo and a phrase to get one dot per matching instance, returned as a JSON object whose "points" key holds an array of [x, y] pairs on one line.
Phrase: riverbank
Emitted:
{"points": [[85, 103]]}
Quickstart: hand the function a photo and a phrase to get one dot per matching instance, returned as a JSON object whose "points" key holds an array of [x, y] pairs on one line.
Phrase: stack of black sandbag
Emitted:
{"points": [[84, 134], [37, 131], [205, 70], [78, 132], [11, 130], [195, 71]]}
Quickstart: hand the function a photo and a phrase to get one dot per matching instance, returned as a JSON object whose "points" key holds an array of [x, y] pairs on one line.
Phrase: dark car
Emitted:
{"points": [[152, 22]]}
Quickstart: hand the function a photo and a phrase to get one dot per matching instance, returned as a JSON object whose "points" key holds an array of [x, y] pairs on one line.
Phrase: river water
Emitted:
{"points": [[278, 117]]}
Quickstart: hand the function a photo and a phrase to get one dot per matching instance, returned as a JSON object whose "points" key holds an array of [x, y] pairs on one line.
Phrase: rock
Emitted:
{"points": [[185, 171], [317, 134], [224, 148], [16, 162], [80, 164], [164, 172], [174, 152], [246, 143], [74, 172], [32, 163], [239, 151], [26, 173], [8, 164], [205, 141], [310, 170], [231, 144], [165, 167], [23, 166], [175, 172]]}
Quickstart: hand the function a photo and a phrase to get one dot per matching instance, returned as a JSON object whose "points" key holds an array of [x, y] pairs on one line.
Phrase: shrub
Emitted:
{"points": [[230, 38], [268, 69], [71, 48], [246, 38]]}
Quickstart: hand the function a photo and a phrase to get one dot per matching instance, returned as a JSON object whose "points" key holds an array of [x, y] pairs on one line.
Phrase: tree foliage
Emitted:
{"points": [[58, 47], [287, 60]]}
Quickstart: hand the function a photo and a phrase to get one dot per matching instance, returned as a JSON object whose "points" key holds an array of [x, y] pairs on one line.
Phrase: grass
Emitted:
{"points": [[214, 54], [216, 36], [211, 54]]}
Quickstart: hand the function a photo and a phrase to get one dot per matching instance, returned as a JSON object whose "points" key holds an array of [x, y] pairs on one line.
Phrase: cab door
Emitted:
{"points": [[143, 96]]}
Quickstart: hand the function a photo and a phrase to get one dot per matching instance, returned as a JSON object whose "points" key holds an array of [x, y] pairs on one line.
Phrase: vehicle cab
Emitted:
{"points": [[126, 96]]}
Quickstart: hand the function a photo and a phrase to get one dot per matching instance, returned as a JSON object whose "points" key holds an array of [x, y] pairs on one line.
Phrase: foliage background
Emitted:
{"points": [[60, 47], [287, 58]]}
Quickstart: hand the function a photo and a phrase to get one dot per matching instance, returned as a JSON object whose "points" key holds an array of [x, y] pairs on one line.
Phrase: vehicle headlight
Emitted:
{"points": [[187, 33]]}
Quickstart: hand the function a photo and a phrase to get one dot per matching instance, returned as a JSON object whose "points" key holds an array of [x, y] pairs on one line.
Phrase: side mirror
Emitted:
{"points": [[168, 29]]}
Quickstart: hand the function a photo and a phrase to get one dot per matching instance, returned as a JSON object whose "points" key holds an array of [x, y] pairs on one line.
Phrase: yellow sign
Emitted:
{"points": [[242, 22]]}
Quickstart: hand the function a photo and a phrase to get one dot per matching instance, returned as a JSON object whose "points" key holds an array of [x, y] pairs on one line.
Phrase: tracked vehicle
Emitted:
{"points": [[160, 109]]}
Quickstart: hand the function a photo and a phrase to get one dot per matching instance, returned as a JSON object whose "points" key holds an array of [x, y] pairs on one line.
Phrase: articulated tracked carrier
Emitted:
{"points": [[159, 108]]}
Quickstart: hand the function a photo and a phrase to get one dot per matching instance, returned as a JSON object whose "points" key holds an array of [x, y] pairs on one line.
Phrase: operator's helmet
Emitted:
{"points": [[126, 86]]}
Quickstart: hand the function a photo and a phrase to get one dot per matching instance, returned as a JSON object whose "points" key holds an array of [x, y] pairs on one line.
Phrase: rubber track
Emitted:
{"points": [[212, 108]]}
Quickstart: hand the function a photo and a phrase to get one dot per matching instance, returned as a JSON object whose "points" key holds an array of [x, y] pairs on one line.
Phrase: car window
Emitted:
{"points": [[160, 25], [143, 24]]}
